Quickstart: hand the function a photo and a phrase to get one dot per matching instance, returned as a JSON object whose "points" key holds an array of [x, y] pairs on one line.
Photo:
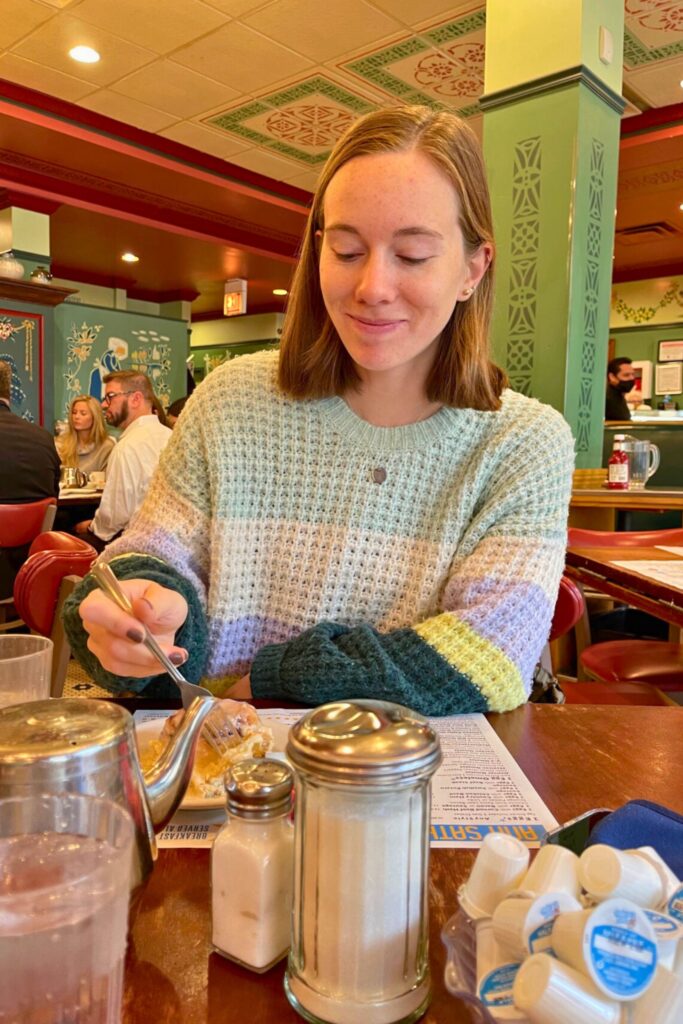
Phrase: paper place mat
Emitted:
{"points": [[673, 549], [669, 572], [478, 788]]}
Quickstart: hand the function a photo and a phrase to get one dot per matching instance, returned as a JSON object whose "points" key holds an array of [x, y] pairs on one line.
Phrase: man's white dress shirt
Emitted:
{"points": [[129, 471]]}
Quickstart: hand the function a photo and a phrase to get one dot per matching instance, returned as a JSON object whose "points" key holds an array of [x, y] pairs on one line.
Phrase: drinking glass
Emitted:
{"points": [[65, 865], [643, 458], [25, 664]]}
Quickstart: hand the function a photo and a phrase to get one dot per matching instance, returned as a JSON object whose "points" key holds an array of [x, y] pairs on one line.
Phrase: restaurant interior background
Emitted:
{"points": [[192, 145]]}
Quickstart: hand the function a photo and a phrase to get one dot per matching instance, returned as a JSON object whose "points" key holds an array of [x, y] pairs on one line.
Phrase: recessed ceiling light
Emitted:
{"points": [[680, 206], [130, 257], [84, 54], [279, 291]]}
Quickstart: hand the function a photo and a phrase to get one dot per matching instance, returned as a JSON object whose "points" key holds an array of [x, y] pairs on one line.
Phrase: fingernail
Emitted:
{"points": [[136, 635], [178, 659], [148, 603]]}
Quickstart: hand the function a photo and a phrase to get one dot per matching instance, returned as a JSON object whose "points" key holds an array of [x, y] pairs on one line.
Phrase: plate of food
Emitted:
{"points": [[257, 735]]}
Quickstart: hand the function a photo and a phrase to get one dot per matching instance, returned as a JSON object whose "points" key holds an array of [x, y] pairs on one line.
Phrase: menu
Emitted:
{"points": [[478, 788], [669, 572]]}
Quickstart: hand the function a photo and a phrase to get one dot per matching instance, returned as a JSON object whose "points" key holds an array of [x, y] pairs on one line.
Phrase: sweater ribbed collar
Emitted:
{"points": [[343, 420]]}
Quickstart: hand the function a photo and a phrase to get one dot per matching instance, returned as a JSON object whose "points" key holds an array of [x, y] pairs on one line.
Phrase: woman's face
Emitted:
{"points": [[392, 261], [81, 417]]}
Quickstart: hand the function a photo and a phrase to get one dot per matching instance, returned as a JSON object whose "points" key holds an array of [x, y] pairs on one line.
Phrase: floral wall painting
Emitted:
{"points": [[21, 346], [110, 340]]}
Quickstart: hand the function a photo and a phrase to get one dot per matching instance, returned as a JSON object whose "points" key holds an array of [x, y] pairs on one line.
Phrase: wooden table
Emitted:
{"points": [[594, 568], [596, 508], [577, 757]]}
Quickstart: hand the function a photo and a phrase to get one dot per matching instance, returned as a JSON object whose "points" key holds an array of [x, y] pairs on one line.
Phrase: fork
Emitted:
{"points": [[106, 580]]}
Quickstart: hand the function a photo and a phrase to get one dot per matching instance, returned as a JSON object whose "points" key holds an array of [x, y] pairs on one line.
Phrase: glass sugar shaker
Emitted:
{"points": [[359, 951], [251, 866]]}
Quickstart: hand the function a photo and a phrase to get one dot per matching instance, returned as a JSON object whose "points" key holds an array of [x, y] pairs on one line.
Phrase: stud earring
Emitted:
{"points": [[468, 292]]}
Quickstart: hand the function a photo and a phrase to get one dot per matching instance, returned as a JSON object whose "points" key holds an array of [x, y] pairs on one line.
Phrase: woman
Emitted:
{"points": [[371, 514], [85, 444]]}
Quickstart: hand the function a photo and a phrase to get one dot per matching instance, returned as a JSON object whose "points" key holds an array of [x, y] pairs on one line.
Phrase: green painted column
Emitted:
{"points": [[552, 110]]}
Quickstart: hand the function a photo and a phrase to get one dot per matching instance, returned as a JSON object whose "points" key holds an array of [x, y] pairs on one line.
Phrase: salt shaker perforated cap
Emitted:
{"points": [[259, 788]]}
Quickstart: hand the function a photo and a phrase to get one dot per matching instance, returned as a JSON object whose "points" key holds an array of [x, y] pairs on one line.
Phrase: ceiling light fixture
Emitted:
{"points": [[84, 54], [130, 257], [279, 291]]}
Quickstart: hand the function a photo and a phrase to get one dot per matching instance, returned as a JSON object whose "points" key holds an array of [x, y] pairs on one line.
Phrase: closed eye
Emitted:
{"points": [[413, 261], [346, 257]]}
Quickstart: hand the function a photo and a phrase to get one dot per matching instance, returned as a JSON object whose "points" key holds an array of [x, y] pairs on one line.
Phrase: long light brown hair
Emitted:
{"points": [[68, 442], [313, 361]]}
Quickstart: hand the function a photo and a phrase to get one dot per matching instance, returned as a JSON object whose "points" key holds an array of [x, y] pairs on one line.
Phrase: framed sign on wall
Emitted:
{"points": [[669, 378], [670, 352], [643, 381]]}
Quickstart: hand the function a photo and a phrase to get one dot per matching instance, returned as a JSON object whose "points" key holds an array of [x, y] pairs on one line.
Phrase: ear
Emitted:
{"points": [[477, 265]]}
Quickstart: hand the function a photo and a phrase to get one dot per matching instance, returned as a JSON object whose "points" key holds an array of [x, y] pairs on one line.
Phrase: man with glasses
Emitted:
{"points": [[128, 403]]}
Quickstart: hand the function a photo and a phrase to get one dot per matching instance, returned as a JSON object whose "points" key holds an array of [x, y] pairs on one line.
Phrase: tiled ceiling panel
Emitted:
{"points": [[158, 26], [346, 25], [172, 88], [50, 44], [19, 17], [44, 79]]}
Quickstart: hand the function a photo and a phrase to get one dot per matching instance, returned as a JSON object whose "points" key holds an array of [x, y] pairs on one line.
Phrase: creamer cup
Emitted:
{"points": [[662, 1003], [674, 906], [607, 873], [614, 944], [500, 864], [670, 882], [495, 975], [554, 869], [523, 925], [668, 932], [550, 992]]}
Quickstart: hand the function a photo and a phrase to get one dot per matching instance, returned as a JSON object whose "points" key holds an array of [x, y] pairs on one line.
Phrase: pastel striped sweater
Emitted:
{"points": [[331, 558]]}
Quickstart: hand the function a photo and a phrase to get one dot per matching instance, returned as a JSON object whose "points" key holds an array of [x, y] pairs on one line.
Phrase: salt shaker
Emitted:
{"points": [[361, 853], [251, 866]]}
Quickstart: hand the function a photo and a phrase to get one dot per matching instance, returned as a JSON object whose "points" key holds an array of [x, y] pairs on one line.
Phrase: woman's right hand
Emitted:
{"points": [[115, 638]]}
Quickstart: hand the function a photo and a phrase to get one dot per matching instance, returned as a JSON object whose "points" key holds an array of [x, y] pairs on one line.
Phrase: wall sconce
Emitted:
{"points": [[235, 297]]}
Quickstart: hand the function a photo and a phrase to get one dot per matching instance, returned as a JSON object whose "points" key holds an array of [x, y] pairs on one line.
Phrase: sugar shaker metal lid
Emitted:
{"points": [[259, 788], [364, 741]]}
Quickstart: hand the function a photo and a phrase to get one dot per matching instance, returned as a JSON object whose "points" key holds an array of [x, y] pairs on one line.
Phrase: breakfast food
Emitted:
{"points": [[241, 735]]}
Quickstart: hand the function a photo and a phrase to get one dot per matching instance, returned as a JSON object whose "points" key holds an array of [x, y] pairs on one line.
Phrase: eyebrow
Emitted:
{"points": [[401, 233]]}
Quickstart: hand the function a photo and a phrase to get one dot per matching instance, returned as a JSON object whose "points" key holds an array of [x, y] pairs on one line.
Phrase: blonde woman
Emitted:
{"points": [[370, 511], [85, 444]]}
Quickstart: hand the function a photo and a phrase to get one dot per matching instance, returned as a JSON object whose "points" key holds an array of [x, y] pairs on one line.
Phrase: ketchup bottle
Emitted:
{"points": [[618, 475]]}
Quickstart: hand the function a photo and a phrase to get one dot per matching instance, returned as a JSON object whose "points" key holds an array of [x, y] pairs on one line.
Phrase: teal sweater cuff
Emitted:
{"points": [[192, 635]]}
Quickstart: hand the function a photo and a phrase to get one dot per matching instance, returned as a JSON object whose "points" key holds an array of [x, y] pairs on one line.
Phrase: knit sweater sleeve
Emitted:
{"points": [[479, 652]]}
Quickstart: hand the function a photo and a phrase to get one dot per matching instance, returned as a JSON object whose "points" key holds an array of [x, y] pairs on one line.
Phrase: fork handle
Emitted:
{"points": [[107, 581]]}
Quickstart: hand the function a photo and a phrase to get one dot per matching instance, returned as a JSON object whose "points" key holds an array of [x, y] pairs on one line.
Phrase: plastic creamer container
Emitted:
{"points": [[614, 944]]}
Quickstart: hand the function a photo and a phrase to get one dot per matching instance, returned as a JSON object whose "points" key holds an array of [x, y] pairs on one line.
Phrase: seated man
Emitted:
{"points": [[620, 381], [29, 471], [128, 403]]}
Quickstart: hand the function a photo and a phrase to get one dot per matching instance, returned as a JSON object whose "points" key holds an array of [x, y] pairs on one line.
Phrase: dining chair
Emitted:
{"points": [[654, 662], [19, 525], [56, 563], [569, 610]]}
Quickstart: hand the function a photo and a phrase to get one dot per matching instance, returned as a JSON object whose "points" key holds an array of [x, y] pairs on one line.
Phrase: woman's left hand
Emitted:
{"points": [[241, 689]]}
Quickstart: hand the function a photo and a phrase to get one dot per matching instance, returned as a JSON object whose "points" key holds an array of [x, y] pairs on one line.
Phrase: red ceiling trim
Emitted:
{"points": [[36, 204], [175, 295], [652, 126], [672, 268], [145, 208], [50, 112]]}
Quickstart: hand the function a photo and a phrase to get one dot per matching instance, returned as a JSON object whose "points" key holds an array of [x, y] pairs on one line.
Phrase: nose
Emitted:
{"points": [[376, 280]]}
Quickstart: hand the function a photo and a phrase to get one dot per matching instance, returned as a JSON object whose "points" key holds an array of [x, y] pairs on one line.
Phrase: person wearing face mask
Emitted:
{"points": [[620, 380]]}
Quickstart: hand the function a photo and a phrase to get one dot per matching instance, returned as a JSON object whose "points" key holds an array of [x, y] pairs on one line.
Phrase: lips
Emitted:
{"points": [[372, 326]]}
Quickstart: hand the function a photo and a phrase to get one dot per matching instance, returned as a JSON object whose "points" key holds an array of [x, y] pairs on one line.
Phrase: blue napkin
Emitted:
{"points": [[643, 823]]}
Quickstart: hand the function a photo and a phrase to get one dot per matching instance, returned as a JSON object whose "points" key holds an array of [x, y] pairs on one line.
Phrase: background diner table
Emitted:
{"points": [[595, 568], [596, 508], [577, 757]]}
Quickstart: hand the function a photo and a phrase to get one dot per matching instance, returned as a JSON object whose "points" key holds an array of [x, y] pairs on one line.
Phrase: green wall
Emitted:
{"points": [[642, 342], [90, 341]]}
